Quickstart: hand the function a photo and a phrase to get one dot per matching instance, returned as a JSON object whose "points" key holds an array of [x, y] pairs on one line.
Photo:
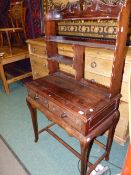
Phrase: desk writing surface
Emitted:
{"points": [[69, 93]]}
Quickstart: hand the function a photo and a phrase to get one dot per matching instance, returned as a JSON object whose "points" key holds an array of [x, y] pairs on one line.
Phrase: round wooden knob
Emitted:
{"points": [[45, 65], [63, 115], [93, 64], [36, 97], [45, 101], [93, 80], [53, 109], [34, 50]]}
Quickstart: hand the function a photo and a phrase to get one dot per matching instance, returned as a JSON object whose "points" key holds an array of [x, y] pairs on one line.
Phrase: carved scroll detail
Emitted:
{"points": [[60, 4], [57, 4], [112, 2]]}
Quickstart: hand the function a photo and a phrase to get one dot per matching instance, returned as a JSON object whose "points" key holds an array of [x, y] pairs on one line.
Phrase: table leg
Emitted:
{"points": [[85, 150], [111, 134], [4, 80], [33, 112]]}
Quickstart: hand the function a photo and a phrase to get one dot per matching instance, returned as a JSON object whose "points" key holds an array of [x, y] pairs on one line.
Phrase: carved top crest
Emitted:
{"points": [[68, 9], [64, 3]]}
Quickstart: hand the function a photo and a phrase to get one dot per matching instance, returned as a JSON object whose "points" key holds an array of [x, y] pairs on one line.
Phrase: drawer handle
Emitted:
{"points": [[45, 65], [36, 97], [36, 74], [63, 115], [34, 49], [93, 80], [45, 52], [93, 64], [45, 101]]}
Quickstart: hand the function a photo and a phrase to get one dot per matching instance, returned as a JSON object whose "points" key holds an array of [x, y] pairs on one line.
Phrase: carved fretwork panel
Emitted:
{"points": [[99, 29], [57, 4]]}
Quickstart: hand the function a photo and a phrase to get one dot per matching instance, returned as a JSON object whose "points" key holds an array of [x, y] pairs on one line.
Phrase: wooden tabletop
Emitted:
{"points": [[17, 54], [10, 29]]}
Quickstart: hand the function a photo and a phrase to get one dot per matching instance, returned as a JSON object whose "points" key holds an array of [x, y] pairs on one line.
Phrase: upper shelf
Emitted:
{"points": [[87, 42], [62, 59]]}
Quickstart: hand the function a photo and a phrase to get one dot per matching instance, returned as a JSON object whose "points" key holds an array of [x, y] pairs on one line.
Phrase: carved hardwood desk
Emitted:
{"points": [[83, 108]]}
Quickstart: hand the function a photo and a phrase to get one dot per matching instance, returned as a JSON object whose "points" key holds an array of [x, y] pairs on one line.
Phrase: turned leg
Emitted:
{"points": [[111, 134], [85, 149], [33, 112]]}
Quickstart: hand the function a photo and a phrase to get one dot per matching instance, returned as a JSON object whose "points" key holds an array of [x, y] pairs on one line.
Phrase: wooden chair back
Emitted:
{"points": [[17, 13]]}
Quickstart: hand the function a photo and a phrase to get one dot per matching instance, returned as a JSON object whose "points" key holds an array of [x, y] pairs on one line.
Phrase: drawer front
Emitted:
{"points": [[39, 67], [122, 128], [39, 71], [41, 62], [98, 66], [65, 48], [66, 116], [126, 72], [106, 81], [100, 62], [67, 68], [37, 50], [42, 100], [124, 116]]}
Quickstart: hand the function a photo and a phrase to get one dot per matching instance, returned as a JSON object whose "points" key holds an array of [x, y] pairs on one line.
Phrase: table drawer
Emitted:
{"points": [[67, 68], [40, 99], [41, 62], [99, 66], [37, 50], [106, 81], [39, 71], [39, 67], [66, 116], [103, 65]]}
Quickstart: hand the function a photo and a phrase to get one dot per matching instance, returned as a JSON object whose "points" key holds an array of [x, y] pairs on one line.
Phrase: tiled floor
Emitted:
{"points": [[47, 157]]}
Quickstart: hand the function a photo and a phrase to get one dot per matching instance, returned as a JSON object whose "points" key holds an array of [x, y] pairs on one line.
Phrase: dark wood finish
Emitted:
{"points": [[85, 110]]}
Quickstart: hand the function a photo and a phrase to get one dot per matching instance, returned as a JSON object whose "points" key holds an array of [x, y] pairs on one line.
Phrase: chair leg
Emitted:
{"points": [[33, 112], [4, 80], [111, 134]]}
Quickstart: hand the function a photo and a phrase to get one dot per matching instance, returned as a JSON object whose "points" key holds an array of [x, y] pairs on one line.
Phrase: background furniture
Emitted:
{"points": [[83, 108], [17, 13], [14, 60], [4, 7], [17, 25], [126, 167], [18, 72]]}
